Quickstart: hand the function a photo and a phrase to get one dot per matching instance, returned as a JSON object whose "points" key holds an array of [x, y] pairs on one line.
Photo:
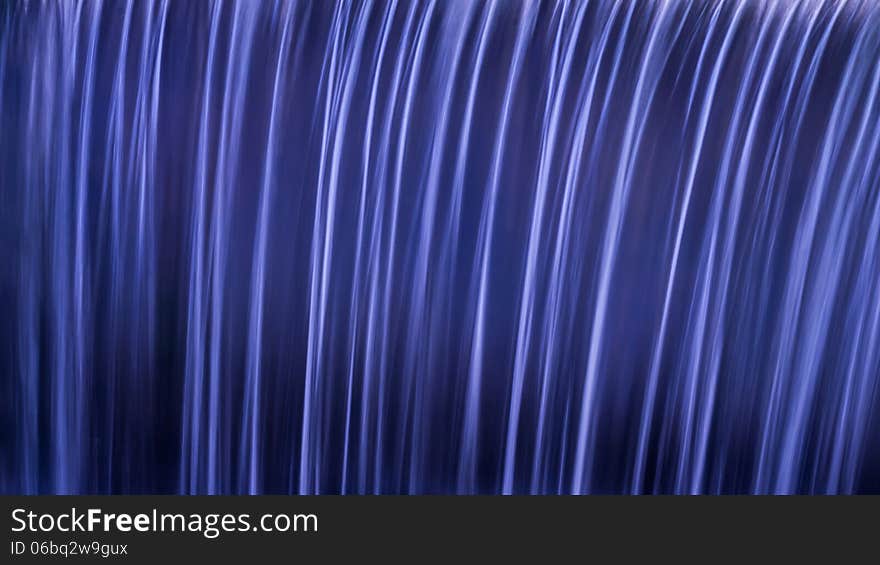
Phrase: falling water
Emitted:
{"points": [[473, 246]]}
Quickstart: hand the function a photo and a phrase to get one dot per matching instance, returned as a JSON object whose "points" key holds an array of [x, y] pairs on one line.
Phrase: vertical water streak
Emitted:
{"points": [[310, 454], [194, 378], [470, 427], [251, 452], [617, 210]]}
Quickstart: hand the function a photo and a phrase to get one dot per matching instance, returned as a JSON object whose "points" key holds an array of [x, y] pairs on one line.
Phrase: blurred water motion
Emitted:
{"points": [[454, 246]]}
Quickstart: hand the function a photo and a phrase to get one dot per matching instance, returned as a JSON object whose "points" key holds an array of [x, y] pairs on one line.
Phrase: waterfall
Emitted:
{"points": [[425, 246]]}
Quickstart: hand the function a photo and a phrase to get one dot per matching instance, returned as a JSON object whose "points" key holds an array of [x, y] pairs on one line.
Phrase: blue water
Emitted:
{"points": [[443, 246]]}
